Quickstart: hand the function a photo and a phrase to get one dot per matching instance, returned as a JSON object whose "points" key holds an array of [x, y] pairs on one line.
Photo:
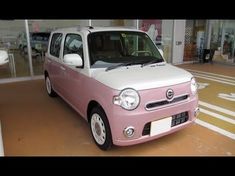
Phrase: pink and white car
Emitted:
{"points": [[118, 80]]}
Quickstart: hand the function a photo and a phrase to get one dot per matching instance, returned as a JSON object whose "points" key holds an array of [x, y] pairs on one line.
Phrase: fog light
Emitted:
{"points": [[129, 131], [196, 112]]}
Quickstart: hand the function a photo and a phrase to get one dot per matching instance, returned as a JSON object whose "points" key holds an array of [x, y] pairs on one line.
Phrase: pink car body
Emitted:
{"points": [[153, 117]]}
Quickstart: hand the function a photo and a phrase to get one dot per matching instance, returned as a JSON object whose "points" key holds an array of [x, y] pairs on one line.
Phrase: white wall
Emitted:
{"points": [[101, 22], [110, 22], [48, 25], [178, 41], [11, 28], [130, 23]]}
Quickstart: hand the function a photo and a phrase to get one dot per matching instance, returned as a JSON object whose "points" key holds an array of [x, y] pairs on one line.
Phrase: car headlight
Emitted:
{"points": [[128, 99], [193, 86]]}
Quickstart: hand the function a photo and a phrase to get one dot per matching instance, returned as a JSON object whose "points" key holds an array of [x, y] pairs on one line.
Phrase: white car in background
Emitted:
{"points": [[4, 58]]}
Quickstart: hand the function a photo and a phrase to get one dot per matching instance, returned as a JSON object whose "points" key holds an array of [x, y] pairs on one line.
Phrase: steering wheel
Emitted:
{"points": [[141, 52]]}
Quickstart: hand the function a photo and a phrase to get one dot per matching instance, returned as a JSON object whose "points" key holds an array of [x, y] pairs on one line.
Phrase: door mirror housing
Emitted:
{"points": [[73, 60]]}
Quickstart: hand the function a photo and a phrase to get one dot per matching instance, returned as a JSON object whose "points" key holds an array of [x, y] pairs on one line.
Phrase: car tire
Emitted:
{"points": [[50, 90], [100, 128]]}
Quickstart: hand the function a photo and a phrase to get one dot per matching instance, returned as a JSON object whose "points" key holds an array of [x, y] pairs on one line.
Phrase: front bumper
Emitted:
{"points": [[138, 119]]}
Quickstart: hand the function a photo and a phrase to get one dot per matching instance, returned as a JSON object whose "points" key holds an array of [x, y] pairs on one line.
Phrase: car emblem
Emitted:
{"points": [[169, 94]]}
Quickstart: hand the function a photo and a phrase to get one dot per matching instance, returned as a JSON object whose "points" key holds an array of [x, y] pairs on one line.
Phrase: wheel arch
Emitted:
{"points": [[90, 106], [109, 142], [46, 73]]}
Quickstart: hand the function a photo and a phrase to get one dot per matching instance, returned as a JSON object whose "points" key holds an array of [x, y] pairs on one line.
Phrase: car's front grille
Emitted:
{"points": [[176, 120], [153, 105]]}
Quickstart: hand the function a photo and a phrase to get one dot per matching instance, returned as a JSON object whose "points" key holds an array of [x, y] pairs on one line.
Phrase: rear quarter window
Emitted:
{"points": [[55, 44]]}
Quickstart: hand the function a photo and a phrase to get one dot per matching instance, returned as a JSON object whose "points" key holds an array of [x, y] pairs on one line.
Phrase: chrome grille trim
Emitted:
{"points": [[165, 103]]}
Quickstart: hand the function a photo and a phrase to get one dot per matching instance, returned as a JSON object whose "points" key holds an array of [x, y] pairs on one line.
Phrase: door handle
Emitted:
{"points": [[62, 68]]}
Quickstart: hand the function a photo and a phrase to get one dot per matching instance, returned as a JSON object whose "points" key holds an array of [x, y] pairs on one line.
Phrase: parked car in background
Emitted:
{"points": [[4, 58], [38, 42], [118, 80]]}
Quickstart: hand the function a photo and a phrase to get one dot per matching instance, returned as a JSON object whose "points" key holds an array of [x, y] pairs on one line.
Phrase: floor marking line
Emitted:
{"points": [[215, 80], [231, 77], [226, 96], [218, 116], [217, 108], [215, 128]]}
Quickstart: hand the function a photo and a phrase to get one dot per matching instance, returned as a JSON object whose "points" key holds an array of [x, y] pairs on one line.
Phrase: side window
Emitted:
{"points": [[73, 45], [55, 44]]}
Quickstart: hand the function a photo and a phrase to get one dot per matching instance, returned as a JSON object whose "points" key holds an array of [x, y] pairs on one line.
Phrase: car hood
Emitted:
{"points": [[140, 78]]}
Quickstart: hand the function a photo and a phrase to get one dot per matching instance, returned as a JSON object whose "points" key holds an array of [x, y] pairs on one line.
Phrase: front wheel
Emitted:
{"points": [[100, 128], [49, 88]]}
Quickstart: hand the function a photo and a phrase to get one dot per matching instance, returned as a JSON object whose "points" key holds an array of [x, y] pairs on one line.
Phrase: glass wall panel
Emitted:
{"points": [[216, 34], [227, 46], [15, 65], [167, 37], [222, 40], [39, 36], [194, 39], [161, 32], [190, 47]]}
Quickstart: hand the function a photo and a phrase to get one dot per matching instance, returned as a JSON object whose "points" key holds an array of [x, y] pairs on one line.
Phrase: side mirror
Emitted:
{"points": [[161, 52], [3, 57], [73, 60]]}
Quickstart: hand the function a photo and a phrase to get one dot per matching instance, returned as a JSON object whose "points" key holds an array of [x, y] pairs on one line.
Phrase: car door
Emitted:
{"points": [[55, 68], [73, 78]]}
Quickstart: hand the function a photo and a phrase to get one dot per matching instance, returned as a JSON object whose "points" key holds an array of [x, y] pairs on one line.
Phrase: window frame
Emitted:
{"points": [[52, 54], [66, 35]]}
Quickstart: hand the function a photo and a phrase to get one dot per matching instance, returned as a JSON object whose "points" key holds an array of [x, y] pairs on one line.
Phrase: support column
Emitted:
{"points": [[178, 41], [29, 48]]}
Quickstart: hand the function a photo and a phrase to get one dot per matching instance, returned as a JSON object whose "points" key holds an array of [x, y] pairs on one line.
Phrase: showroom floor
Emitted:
{"points": [[34, 124]]}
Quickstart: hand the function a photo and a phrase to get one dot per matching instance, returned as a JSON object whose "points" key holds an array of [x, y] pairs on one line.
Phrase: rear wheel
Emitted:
{"points": [[100, 128], [49, 88]]}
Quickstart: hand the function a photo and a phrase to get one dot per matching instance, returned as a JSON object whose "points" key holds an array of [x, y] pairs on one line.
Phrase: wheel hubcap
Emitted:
{"points": [[98, 129]]}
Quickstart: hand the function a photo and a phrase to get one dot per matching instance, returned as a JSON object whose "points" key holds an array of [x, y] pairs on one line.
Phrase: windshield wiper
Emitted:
{"points": [[143, 63], [151, 62], [116, 66], [122, 65]]}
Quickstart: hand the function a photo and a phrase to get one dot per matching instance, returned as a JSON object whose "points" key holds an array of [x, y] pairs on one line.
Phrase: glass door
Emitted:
{"points": [[228, 40], [161, 32], [12, 40]]}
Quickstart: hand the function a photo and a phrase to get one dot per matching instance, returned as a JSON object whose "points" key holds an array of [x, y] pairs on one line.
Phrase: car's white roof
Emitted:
{"points": [[91, 29]]}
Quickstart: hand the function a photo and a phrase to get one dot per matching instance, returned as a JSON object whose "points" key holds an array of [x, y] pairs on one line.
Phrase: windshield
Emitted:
{"points": [[111, 48]]}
